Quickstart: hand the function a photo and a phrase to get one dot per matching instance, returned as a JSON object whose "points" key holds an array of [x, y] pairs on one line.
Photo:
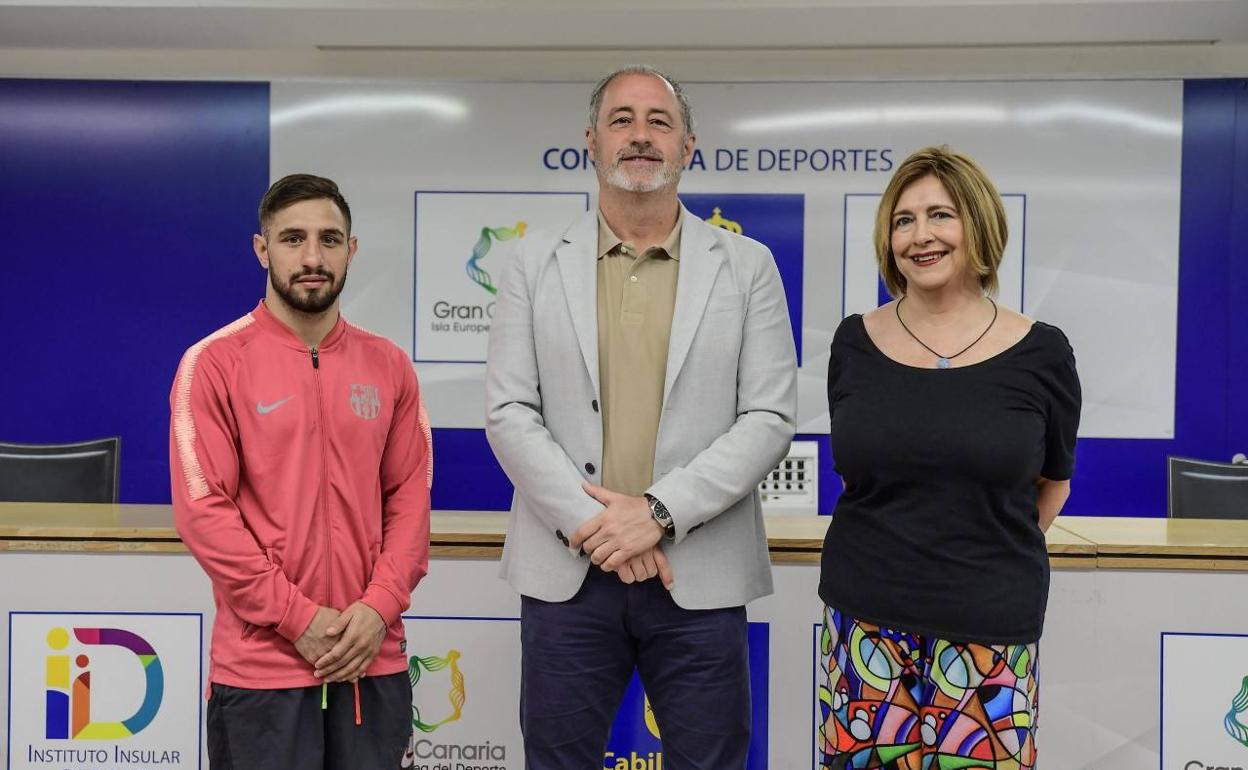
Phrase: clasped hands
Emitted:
{"points": [[341, 645], [623, 538]]}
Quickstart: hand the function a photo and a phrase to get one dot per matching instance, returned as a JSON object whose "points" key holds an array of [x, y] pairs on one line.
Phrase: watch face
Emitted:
{"points": [[659, 511]]}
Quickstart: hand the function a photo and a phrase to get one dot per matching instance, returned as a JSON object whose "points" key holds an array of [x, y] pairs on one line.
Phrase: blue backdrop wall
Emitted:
{"points": [[127, 210]]}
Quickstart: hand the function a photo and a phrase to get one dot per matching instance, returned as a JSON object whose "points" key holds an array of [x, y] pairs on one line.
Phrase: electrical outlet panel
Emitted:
{"points": [[792, 487]]}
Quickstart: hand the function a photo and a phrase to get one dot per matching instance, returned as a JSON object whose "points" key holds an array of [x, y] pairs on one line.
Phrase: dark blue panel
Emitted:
{"points": [[775, 220], [127, 209], [56, 715], [1237, 308], [466, 477], [829, 482]]}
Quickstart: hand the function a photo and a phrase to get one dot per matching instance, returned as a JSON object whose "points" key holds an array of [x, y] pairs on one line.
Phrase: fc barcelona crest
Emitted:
{"points": [[365, 402]]}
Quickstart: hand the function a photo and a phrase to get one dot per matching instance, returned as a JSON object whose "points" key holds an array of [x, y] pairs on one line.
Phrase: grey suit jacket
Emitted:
{"points": [[729, 410]]}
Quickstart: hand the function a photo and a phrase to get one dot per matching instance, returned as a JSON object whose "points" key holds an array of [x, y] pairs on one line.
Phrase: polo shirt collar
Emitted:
{"points": [[608, 241]]}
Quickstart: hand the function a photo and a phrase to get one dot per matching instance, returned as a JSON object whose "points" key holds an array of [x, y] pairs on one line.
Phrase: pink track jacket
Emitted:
{"points": [[300, 478]]}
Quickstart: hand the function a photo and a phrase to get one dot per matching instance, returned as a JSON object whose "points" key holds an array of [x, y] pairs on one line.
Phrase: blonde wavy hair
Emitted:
{"points": [[976, 200]]}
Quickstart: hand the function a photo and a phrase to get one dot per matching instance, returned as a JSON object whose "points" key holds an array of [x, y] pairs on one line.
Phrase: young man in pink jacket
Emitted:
{"points": [[301, 461]]}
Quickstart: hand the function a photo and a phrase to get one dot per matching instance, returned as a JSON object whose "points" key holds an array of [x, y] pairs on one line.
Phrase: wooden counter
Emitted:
{"points": [[137, 528], [1205, 544], [83, 527], [149, 528]]}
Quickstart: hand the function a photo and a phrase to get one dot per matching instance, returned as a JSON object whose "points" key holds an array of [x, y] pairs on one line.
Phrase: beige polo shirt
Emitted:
{"points": [[636, 297]]}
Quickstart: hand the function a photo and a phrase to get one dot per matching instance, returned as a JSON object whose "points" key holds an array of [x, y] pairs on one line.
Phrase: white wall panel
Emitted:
{"points": [[1095, 162]]}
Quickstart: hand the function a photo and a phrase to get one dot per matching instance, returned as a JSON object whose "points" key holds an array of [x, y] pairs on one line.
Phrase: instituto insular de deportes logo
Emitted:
{"points": [[103, 690], [68, 695]]}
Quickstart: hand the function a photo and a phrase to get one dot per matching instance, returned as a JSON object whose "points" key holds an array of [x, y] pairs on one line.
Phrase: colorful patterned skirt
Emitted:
{"points": [[896, 700]]}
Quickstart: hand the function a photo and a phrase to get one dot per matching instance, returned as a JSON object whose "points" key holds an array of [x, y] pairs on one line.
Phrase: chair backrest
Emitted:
{"points": [[60, 473], [1207, 490]]}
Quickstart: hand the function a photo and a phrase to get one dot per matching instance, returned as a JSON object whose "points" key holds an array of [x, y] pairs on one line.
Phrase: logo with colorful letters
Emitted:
{"points": [[68, 694]]}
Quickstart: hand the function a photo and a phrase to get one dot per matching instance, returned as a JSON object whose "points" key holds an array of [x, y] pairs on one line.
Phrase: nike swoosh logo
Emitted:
{"points": [[265, 409]]}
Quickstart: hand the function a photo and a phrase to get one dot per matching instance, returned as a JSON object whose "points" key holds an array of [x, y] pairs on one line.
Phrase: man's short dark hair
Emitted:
{"points": [[294, 188]]}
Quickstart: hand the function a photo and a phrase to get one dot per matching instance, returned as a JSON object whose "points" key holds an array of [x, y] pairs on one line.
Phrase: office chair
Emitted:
{"points": [[1207, 490], [60, 473]]}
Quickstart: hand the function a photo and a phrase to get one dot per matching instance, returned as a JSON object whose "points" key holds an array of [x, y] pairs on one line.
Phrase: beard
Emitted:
{"points": [[618, 176], [312, 302]]}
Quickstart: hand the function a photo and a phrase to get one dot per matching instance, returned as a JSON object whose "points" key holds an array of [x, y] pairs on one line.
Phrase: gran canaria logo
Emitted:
{"points": [[488, 236], [421, 749], [1239, 704], [456, 695]]}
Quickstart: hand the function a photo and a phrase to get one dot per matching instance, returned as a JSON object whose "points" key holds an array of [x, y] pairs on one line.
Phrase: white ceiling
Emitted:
{"points": [[640, 24], [560, 39]]}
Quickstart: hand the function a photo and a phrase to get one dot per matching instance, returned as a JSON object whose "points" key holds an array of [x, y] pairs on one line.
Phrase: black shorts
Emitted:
{"points": [[275, 729]]}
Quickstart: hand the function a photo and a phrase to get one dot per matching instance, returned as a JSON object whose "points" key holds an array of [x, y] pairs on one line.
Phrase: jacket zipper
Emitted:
{"points": [[320, 408]]}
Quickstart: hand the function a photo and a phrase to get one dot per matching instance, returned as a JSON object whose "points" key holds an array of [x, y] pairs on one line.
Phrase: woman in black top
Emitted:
{"points": [[953, 430]]}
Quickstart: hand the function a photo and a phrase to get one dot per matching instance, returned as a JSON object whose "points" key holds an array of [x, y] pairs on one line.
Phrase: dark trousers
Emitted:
{"points": [[577, 658], [275, 729]]}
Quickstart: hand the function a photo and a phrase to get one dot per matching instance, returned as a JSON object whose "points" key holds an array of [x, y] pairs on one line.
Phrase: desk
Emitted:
{"points": [[1200, 544], [73, 528], [1117, 584]]}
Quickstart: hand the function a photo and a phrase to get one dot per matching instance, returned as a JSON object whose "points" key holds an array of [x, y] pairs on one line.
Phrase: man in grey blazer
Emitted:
{"points": [[641, 381]]}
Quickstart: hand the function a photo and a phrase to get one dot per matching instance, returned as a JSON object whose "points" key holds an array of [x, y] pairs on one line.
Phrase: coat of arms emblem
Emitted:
{"points": [[365, 402]]}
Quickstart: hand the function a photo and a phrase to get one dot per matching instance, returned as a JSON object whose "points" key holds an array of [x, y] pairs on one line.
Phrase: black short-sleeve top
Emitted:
{"points": [[937, 531]]}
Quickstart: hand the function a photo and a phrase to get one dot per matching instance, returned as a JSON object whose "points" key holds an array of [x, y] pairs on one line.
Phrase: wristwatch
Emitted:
{"points": [[659, 511]]}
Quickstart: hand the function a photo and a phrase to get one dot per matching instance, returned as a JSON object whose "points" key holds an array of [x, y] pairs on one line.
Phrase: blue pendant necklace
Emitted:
{"points": [[942, 362]]}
